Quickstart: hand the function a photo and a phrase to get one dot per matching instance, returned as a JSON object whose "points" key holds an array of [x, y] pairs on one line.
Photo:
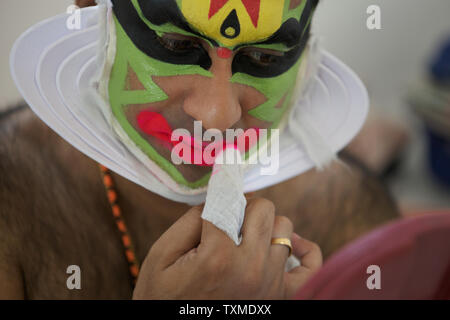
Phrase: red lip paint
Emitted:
{"points": [[154, 124]]}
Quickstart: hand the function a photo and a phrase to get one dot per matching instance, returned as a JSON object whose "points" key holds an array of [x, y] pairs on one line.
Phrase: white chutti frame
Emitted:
{"points": [[52, 68]]}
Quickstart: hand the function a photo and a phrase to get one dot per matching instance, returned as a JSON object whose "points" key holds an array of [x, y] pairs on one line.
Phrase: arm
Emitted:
{"points": [[347, 201]]}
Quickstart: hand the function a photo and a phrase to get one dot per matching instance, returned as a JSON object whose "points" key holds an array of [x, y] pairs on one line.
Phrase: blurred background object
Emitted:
{"points": [[390, 61]]}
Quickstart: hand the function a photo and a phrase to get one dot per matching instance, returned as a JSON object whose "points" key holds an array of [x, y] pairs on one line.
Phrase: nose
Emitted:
{"points": [[215, 101]]}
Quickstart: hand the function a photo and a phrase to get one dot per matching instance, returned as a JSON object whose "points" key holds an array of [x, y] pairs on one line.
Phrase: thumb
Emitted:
{"points": [[179, 239], [308, 252]]}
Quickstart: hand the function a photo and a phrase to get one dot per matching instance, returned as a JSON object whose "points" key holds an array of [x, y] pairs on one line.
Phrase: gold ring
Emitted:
{"points": [[284, 242]]}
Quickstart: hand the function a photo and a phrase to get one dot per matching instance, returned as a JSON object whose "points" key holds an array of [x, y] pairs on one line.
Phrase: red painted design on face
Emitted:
{"points": [[155, 125], [253, 7], [224, 53]]}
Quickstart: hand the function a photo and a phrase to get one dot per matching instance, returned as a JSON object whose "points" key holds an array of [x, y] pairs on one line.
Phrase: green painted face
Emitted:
{"points": [[263, 41]]}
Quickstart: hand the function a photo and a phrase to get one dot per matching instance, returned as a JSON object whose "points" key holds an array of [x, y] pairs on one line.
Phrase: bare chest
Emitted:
{"points": [[71, 235], [67, 225]]}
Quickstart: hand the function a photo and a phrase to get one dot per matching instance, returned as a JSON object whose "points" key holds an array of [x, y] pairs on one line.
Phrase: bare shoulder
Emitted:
{"points": [[30, 160], [13, 142], [37, 166], [27, 151], [334, 206]]}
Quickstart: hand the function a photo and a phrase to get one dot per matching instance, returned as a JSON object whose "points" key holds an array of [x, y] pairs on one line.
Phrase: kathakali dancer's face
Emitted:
{"points": [[228, 63]]}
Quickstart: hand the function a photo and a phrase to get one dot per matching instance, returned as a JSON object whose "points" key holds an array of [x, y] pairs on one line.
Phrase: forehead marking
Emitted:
{"points": [[234, 22], [215, 6], [252, 7], [231, 27], [224, 53]]}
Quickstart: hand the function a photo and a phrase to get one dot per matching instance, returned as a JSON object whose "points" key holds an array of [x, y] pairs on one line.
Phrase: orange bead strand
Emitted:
{"points": [[112, 196]]}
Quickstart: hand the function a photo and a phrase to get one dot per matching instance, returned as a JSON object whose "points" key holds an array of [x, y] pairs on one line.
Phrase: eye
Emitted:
{"points": [[262, 57], [178, 43]]}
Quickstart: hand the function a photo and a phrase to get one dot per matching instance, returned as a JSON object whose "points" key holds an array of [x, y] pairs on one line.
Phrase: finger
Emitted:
{"points": [[283, 228], [308, 252], [179, 239], [258, 224]]}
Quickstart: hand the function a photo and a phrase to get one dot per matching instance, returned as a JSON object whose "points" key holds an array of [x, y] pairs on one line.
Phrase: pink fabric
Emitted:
{"points": [[412, 253]]}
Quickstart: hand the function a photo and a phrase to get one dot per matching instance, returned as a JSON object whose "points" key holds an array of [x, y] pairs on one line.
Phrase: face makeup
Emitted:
{"points": [[228, 63]]}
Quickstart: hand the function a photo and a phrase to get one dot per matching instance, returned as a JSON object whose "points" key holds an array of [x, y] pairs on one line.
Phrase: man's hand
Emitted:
{"points": [[195, 260]]}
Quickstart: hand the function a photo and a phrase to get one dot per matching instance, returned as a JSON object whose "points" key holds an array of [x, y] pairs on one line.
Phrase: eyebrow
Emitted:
{"points": [[289, 36], [191, 32]]}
